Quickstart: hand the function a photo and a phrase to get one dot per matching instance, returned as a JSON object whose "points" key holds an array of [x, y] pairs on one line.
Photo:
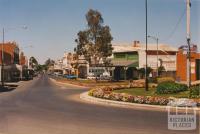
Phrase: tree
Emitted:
{"points": [[142, 71], [94, 42], [49, 62], [33, 62], [161, 68]]}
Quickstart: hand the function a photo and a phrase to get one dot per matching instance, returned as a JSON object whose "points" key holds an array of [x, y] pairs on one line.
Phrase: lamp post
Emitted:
{"points": [[28, 46], [146, 76], [2, 54], [2, 60], [188, 5], [156, 39]]}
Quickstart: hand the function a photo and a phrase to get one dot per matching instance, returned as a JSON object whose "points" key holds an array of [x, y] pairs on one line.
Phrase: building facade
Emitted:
{"points": [[11, 61], [64, 65], [127, 58], [182, 63]]}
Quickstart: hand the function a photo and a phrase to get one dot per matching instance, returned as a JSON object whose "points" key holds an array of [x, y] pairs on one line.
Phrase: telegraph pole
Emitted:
{"points": [[2, 61], [146, 76], [188, 6]]}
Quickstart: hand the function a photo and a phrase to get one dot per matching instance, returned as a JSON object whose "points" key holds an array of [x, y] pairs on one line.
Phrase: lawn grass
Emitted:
{"points": [[151, 92]]}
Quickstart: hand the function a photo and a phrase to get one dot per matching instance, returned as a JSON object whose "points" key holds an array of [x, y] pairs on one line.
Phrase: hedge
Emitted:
{"points": [[170, 87], [195, 91]]}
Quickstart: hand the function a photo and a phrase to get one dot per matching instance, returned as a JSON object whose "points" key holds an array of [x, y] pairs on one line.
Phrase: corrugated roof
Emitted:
{"points": [[128, 47]]}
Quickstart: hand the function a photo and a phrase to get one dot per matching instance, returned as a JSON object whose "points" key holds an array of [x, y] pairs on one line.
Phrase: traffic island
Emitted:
{"points": [[88, 83], [109, 95]]}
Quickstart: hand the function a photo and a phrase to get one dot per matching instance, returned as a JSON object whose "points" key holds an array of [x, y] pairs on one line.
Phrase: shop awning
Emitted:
{"points": [[124, 63]]}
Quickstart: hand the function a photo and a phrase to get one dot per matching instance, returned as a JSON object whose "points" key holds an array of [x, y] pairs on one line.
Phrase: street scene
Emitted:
{"points": [[99, 67]]}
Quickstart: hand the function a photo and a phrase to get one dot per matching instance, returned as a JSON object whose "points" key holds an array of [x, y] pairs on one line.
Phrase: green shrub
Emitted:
{"points": [[165, 79], [170, 87], [195, 91]]}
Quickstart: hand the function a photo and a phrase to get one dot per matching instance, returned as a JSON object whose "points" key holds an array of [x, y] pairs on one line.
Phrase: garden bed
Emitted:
{"points": [[151, 92], [136, 95]]}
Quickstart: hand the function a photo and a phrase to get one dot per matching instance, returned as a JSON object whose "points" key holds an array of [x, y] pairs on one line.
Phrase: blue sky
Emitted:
{"points": [[53, 24]]}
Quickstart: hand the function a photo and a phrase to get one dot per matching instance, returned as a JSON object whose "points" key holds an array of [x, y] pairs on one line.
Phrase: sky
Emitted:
{"points": [[52, 25]]}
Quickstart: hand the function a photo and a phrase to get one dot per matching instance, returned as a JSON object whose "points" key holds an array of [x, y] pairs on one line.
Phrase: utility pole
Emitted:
{"points": [[188, 5], [2, 61], [146, 76], [157, 56], [2, 55], [156, 39]]}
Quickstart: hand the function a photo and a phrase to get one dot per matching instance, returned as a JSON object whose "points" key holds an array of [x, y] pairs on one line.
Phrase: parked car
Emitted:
{"points": [[105, 76], [70, 76], [91, 76], [57, 74]]}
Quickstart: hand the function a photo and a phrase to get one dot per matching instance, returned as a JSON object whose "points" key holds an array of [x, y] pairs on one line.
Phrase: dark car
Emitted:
{"points": [[70, 76]]}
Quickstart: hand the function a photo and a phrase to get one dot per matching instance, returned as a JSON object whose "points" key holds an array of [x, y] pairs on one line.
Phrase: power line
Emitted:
{"points": [[176, 26]]}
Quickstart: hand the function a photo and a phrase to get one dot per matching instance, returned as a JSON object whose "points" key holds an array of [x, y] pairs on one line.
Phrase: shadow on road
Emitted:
{"points": [[8, 88]]}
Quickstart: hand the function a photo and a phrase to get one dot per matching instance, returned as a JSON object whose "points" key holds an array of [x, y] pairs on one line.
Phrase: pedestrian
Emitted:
{"points": [[130, 83]]}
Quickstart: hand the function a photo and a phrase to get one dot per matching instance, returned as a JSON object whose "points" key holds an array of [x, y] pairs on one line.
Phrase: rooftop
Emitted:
{"points": [[131, 47]]}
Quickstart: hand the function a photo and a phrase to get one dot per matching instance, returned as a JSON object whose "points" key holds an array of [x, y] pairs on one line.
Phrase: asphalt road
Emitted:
{"points": [[41, 107]]}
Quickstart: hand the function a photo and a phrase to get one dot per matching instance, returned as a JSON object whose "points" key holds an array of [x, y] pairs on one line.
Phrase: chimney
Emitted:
{"points": [[136, 43], [194, 48]]}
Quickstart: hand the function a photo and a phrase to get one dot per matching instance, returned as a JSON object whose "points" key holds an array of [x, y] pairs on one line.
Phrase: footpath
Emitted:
{"points": [[12, 88]]}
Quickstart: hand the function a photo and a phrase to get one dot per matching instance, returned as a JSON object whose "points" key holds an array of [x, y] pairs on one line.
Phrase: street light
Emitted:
{"points": [[2, 53], [156, 39], [188, 5], [146, 76]]}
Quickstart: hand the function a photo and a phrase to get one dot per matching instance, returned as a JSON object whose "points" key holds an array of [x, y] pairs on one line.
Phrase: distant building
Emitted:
{"points": [[66, 60], [181, 73], [128, 57], [58, 66], [80, 66], [64, 65], [126, 60]]}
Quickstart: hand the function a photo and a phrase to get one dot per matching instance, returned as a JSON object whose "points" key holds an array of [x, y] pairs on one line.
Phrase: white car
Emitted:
{"points": [[91, 76], [105, 76]]}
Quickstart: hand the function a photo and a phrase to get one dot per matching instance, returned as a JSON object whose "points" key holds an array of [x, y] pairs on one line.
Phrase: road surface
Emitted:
{"points": [[42, 107]]}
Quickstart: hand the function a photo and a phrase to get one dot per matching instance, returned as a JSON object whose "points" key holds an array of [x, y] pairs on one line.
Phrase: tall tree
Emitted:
{"points": [[161, 68], [49, 62], [33, 62], [94, 42]]}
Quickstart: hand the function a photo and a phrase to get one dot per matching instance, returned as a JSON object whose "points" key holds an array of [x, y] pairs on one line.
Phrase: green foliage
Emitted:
{"points": [[170, 87], [33, 61], [165, 79], [160, 70], [49, 62], [40, 68], [94, 42], [142, 71], [195, 91]]}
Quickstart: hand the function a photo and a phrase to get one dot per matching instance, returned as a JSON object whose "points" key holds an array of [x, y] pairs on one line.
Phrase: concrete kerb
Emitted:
{"points": [[86, 97]]}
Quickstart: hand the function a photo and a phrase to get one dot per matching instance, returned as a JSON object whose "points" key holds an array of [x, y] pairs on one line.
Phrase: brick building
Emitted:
{"points": [[181, 72], [22, 59], [12, 68], [11, 53]]}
